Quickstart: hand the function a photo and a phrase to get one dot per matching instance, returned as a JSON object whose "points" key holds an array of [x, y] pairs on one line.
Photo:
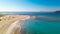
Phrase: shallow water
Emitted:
{"points": [[37, 26], [49, 23]]}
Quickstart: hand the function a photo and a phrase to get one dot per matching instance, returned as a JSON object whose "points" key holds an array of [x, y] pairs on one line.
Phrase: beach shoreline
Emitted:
{"points": [[7, 20]]}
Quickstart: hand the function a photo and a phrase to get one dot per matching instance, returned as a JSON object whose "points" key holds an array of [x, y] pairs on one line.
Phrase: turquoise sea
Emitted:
{"points": [[42, 25]]}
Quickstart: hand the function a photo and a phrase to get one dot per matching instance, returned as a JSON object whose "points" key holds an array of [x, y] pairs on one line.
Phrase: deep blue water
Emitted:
{"points": [[34, 13]]}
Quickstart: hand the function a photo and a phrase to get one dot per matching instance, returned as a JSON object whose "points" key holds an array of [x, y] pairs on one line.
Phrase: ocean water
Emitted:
{"points": [[42, 25]]}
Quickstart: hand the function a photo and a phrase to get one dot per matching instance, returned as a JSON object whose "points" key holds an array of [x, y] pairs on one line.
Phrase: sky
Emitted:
{"points": [[29, 5]]}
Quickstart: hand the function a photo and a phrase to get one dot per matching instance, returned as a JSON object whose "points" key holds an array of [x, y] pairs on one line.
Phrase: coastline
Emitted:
{"points": [[7, 20]]}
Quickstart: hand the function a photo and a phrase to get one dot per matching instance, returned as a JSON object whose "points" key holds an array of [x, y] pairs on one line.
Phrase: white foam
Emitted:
{"points": [[12, 27]]}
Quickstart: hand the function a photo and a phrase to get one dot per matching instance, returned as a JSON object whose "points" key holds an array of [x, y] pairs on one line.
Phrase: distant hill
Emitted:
{"points": [[57, 12]]}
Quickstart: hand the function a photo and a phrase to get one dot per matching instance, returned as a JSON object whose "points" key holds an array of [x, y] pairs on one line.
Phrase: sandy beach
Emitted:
{"points": [[9, 23]]}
